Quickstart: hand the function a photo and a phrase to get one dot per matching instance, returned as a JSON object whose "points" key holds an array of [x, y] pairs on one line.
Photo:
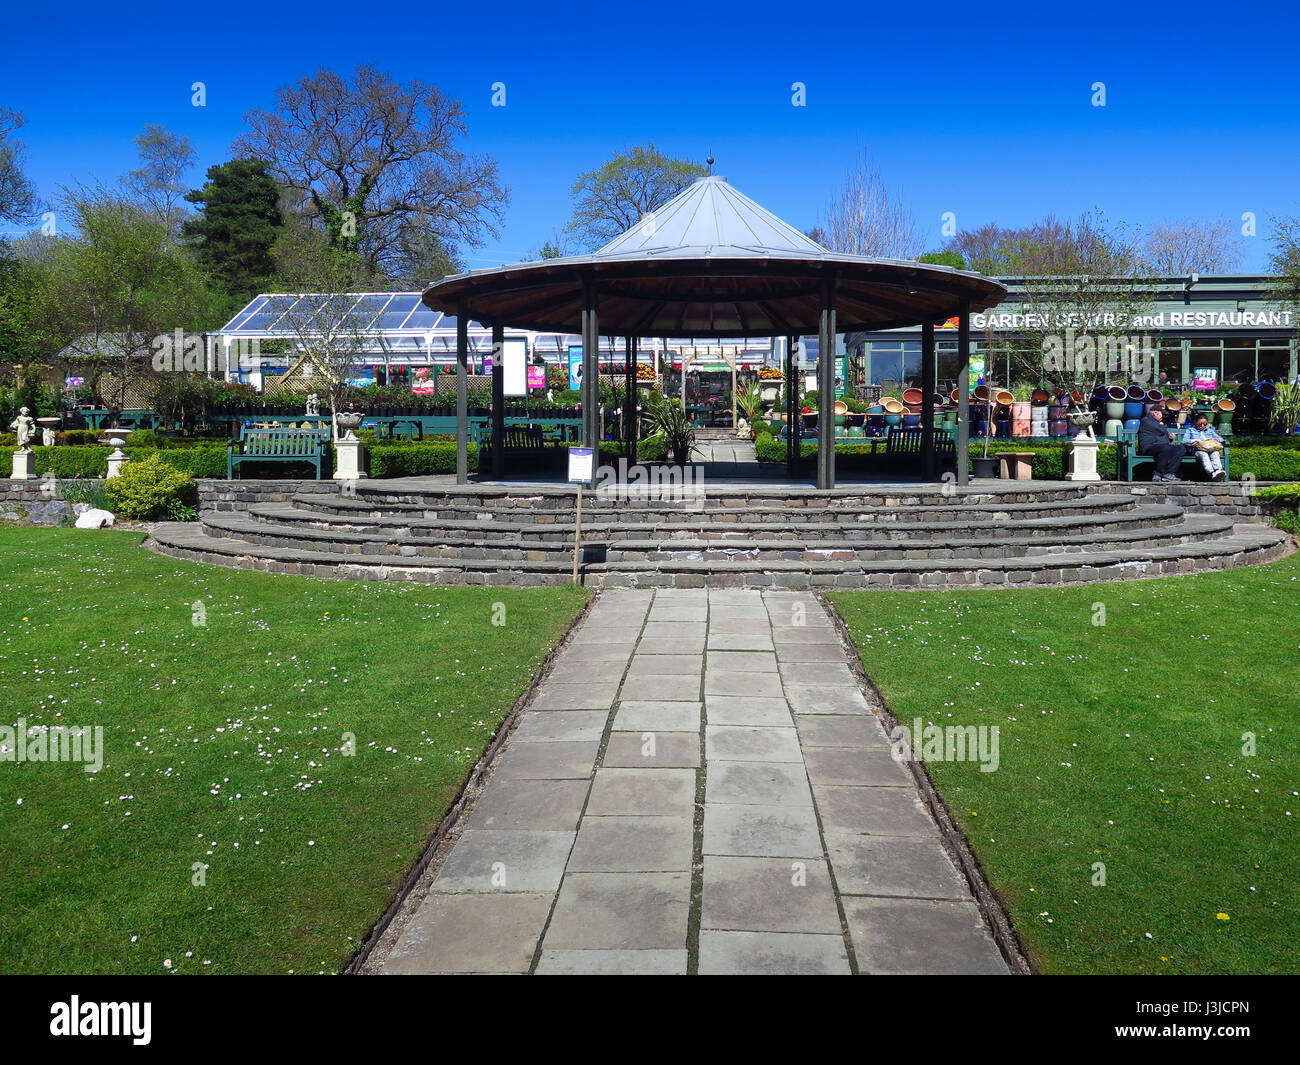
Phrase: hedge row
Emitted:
{"points": [[81, 462]]}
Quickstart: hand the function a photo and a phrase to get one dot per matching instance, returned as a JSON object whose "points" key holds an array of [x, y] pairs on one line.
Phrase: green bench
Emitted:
{"points": [[519, 441], [277, 445], [1128, 460]]}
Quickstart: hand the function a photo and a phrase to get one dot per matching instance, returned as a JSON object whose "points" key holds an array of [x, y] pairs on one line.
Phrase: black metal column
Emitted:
{"points": [[590, 370], [963, 394], [498, 403], [629, 403], [927, 401], [462, 396], [826, 388], [792, 419]]}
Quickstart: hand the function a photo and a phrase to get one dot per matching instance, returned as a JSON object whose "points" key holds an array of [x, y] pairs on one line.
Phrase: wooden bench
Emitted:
{"points": [[1128, 460], [902, 441], [520, 441], [277, 445]]}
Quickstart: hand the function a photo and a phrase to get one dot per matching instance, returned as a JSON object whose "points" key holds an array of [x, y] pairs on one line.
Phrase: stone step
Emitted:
{"points": [[848, 511], [685, 526], [263, 530], [1245, 544]]}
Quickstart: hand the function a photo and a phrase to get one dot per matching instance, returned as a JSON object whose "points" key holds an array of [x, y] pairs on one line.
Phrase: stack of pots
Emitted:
{"points": [[1224, 410], [912, 401], [1135, 406], [894, 411], [876, 419], [1115, 411], [1058, 425]]}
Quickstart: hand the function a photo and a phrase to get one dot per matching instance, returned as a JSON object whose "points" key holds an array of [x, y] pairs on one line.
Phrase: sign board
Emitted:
{"points": [[423, 383], [537, 377], [487, 364], [514, 365], [1205, 378], [976, 370], [581, 465], [575, 366]]}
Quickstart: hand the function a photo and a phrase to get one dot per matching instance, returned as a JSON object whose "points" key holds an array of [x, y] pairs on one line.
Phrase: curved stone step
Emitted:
{"points": [[1245, 544]]}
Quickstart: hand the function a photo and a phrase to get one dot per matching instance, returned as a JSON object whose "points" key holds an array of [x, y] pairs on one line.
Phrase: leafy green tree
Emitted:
{"points": [[235, 229], [613, 198], [1284, 261], [117, 286], [943, 258], [18, 199]]}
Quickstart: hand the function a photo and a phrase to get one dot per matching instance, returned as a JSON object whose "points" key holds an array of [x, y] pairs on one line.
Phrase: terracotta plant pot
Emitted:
{"points": [[913, 395]]}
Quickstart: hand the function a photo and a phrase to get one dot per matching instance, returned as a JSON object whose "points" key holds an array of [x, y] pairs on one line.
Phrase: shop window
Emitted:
{"points": [[1239, 359], [1275, 364]]}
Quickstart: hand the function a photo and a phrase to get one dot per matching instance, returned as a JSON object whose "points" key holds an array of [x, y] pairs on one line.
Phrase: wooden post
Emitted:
{"points": [[927, 401], [792, 419], [590, 369], [577, 535], [732, 361], [462, 395], [629, 403]]}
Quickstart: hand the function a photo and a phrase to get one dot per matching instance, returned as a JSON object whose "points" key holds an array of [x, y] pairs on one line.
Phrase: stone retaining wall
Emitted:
{"points": [[240, 495], [1195, 497]]}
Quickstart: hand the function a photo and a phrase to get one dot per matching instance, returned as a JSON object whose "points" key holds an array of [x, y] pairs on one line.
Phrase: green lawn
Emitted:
{"points": [[1120, 744], [225, 745]]}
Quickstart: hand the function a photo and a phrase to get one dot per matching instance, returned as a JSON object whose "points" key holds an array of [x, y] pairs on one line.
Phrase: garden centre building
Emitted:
{"points": [[1228, 326]]}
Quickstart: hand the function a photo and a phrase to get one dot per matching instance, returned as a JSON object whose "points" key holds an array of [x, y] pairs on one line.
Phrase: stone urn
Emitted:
{"points": [[49, 426], [115, 438], [349, 421], [1084, 421]]}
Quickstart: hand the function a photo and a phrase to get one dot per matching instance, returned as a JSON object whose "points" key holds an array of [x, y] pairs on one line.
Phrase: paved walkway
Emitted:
{"points": [[700, 786]]}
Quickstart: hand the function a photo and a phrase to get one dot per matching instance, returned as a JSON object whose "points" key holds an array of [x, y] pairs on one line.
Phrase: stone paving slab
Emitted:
{"points": [[893, 865], [748, 710], [745, 743], [840, 731], [642, 791], [768, 895], [552, 760], [472, 934], [493, 861], [649, 750], [662, 688], [643, 844], [772, 954], [761, 754], [530, 804], [907, 937], [620, 911], [612, 963], [658, 716], [755, 831], [561, 725]]}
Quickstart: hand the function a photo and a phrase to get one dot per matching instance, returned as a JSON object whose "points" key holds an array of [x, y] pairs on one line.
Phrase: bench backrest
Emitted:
{"points": [[908, 441], [524, 436], [282, 442]]}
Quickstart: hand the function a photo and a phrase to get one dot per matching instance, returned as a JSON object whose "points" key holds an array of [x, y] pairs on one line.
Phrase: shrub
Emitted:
{"points": [[78, 437], [417, 460], [89, 491], [1266, 463], [149, 488]]}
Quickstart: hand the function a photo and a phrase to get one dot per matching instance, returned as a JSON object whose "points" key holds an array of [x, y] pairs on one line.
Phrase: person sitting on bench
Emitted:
{"points": [[1156, 440], [1208, 445]]}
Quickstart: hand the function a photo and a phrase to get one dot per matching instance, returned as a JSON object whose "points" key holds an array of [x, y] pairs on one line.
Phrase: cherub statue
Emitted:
{"points": [[313, 404], [25, 426]]}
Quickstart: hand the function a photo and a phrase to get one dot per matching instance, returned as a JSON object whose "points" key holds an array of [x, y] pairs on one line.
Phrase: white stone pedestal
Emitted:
{"points": [[1083, 460], [347, 460], [24, 466]]}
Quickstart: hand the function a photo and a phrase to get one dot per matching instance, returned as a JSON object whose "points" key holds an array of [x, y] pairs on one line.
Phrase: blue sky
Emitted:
{"points": [[982, 110]]}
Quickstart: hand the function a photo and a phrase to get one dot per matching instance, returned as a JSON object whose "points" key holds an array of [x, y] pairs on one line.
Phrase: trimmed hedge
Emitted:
{"points": [[416, 460], [83, 462]]}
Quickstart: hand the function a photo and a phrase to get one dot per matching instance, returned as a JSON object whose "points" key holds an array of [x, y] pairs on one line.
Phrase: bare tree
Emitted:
{"points": [[865, 218], [379, 160], [1174, 249]]}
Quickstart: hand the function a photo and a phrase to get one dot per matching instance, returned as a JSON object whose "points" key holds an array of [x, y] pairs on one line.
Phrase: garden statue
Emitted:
{"points": [[313, 404], [47, 436], [25, 426]]}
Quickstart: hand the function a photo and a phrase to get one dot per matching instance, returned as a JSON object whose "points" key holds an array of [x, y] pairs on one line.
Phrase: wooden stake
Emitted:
{"points": [[577, 536]]}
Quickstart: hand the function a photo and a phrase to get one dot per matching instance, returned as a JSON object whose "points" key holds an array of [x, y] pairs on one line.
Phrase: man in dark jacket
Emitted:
{"points": [[1154, 439]]}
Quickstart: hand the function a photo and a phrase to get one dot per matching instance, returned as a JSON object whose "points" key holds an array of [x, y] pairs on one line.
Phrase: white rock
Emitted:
{"points": [[94, 519]]}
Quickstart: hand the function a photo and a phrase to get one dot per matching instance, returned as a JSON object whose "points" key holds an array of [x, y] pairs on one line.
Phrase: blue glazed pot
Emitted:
{"points": [[1134, 409], [1132, 424], [911, 421]]}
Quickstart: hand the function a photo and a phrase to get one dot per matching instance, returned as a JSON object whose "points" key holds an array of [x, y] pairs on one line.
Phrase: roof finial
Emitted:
{"points": [[709, 160]]}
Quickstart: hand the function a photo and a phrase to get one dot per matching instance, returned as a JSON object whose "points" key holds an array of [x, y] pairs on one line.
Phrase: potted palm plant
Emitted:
{"points": [[750, 402]]}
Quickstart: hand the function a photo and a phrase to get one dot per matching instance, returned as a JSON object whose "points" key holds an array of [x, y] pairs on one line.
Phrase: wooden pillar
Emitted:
{"points": [[462, 395], [732, 360], [629, 403], [590, 369], [498, 403], [963, 394], [927, 401], [826, 388]]}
